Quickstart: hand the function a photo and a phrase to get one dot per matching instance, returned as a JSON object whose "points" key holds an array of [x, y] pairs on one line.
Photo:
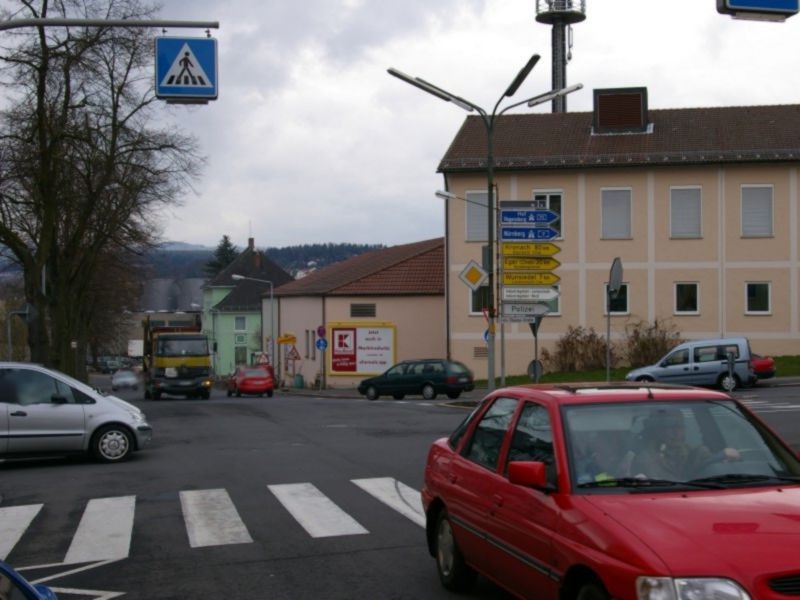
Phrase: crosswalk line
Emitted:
{"points": [[315, 512], [396, 495], [14, 520], [104, 532], [211, 519]]}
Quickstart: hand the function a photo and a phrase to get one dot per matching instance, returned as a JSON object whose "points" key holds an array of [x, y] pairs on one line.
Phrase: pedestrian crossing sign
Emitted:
{"points": [[186, 69]]}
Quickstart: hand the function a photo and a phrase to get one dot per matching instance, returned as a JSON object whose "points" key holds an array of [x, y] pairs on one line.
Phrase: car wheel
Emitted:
{"points": [[238, 393], [156, 395], [372, 393], [645, 379], [205, 395], [146, 394], [728, 382], [592, 591], [398, 396], [230, 393], [453, 395], [269, 393], [112, 443], [453, 571], [428, 392], [113, 388]]}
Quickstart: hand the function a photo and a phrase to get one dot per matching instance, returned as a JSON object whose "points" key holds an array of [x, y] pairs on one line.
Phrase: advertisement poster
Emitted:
{"points": [[361, 349]]}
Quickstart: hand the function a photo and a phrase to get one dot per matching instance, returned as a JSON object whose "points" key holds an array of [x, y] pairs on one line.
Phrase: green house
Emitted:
{"points": [[232, 309]]}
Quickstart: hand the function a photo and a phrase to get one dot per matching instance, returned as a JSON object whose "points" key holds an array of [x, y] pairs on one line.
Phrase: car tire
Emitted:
{"points": [[372, 393], [112, 443], [113, 388], [205, 395], [453, 395], [728, 383], [645, 379], [230, 393], [398, 396], [454, 573], [592, 591], [428, 392], [238, 393], [270, 393], [156, 395]]}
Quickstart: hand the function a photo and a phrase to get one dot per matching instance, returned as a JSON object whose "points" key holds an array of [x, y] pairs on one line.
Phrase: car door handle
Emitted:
{"points": [[19, 413]]}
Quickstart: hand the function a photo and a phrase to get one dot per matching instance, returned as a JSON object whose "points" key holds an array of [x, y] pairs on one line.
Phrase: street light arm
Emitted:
{"points": [[552, 94], [523, 73], [433, 90]]}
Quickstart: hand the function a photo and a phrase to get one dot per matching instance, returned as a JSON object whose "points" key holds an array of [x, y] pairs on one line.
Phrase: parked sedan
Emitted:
{"points": [[15, 587], [428, 377], [45, 412], [631, 492], [763, 366], [124, 379], [251, 381]]}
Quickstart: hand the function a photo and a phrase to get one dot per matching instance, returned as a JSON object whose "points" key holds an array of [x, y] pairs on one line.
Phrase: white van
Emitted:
{"points": [[702, 362]]}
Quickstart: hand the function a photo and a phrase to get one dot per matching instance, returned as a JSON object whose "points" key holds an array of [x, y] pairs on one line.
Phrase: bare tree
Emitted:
{"points": [[84, 171]]}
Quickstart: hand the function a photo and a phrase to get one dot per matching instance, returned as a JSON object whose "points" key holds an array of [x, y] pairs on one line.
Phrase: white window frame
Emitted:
{"points": [[771, 189], [553, 192], [675, 309], [471, 208], [684, 236], [627, 310], [747, 310], [603, 212], [236, 323], [471, 312]]}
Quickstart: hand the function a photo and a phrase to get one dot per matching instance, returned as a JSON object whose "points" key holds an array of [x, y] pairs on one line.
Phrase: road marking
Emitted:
{"points": [[317, 514], [104, 532], [14, 520], [211, 519], [395, 494]]}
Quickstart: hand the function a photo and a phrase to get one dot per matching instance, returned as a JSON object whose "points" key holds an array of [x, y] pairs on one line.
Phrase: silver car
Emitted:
{"points": [[124, 378], [45, 412]]}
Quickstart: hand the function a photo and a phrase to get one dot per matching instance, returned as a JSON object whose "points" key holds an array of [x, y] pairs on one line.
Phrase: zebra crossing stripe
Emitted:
{"points": [[396, 495], [104, 532], [315, 512], [212, 519], [14, 520]]}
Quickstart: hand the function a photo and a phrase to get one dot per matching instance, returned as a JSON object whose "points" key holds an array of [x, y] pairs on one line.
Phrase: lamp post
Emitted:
{"points": [[237, 277], [489, 121]]}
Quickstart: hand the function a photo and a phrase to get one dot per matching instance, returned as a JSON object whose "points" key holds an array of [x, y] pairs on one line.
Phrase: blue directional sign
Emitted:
{"points": [[786, 8], [186, 69], [529, 217], [527, 234], [321, 344]]}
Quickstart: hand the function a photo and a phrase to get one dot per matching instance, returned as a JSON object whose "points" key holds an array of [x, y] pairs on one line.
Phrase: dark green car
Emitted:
{"points": [[427, 377]]}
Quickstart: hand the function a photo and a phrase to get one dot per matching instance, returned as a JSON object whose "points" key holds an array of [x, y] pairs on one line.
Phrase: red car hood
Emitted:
{"points": [[734, 533]]}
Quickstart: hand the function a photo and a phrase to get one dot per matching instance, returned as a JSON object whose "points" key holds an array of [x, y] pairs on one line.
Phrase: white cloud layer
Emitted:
{"points": [[312, 141]]}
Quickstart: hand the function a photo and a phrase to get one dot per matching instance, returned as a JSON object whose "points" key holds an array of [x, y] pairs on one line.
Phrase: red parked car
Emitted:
{"points": [[763, 366], [623, 491], [252, 381]]}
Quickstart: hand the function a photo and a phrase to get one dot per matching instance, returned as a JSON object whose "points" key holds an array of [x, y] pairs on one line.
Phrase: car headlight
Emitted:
{"points": [[136, 415], [700, 588]]}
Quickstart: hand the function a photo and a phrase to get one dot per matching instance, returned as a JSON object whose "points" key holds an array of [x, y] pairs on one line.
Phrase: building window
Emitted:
{"points": [[685, 212], [479, 300], [756, 211], [550, 201], [240, 355], [687, 299], [758, 299], [240, 323], [619, 305], [616, 214], [362, 310], [477, 217]]}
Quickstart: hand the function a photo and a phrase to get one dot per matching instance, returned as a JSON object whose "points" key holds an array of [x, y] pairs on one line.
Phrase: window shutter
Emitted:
{"points": [[616, 214], [756, 211], [477, 226], [685, 213]]}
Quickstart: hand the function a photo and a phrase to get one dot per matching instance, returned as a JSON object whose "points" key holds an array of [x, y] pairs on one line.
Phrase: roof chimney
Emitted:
{"points": [[620, 110]]}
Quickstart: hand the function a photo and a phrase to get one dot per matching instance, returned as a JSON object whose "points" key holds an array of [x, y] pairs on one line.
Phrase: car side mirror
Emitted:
{"points": [[528, 474]]}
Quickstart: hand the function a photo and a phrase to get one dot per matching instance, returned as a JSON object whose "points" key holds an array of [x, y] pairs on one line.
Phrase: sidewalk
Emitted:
{"points": [[480, 392]]}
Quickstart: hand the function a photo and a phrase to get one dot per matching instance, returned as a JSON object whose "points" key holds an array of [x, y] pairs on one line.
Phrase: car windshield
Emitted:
{"points": [[182, 346], [255, 373], [629, 446]]}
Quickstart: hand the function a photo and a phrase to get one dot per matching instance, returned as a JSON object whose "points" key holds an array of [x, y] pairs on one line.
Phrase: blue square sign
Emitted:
{"points": [[186, 69], [785, 8]]}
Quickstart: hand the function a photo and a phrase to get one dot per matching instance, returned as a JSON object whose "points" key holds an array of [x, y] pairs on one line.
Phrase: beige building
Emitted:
{"points": [[372, 310], [701, 206]]}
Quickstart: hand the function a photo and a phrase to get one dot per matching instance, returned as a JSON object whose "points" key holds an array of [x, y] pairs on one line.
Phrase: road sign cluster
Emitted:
{"points": [[527, 266]]}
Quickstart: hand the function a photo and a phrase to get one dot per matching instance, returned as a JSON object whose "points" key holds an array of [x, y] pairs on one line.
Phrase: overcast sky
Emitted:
{"points": [[312, 141]]}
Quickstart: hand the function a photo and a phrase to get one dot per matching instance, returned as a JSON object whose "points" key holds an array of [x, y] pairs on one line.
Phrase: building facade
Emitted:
{"points": [[701, 206]]}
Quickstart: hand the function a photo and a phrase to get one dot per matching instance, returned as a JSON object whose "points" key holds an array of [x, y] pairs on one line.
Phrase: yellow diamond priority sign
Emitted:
{"points": [[473, 275]]}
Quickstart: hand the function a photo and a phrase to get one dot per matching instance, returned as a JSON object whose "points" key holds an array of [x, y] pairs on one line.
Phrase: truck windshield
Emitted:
{"points": [[182, 347]]}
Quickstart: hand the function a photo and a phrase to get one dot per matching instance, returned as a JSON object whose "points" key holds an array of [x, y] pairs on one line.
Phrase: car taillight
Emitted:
{"points": [[452, 379]]}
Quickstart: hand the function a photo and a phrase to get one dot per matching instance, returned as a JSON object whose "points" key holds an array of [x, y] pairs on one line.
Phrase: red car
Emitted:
{"points": [[251, 380], [763, 366], [630, 492]]}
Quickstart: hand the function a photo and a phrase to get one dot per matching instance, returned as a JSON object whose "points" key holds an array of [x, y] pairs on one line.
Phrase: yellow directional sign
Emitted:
{"points": [[529, 249], [288, 338], [529, 263], [530, 278]]}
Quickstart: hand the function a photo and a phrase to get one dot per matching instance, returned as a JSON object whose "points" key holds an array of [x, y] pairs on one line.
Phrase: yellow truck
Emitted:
{"points": [[176, 360]]}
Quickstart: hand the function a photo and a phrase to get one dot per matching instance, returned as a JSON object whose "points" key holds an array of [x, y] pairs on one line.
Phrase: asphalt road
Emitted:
{"points": [[225, 503]]}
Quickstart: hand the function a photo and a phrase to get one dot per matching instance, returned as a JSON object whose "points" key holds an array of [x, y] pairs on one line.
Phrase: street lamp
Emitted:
{"points": [[237, 277], [489, 120]]}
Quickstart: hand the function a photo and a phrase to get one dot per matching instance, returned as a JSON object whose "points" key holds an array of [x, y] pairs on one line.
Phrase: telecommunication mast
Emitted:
{"points": [[561, 14]]}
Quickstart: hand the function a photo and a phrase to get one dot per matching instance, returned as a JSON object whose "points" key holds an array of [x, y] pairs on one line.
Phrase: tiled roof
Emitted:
{"points": [[676, 136], [246, 295], [409, 269]]}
